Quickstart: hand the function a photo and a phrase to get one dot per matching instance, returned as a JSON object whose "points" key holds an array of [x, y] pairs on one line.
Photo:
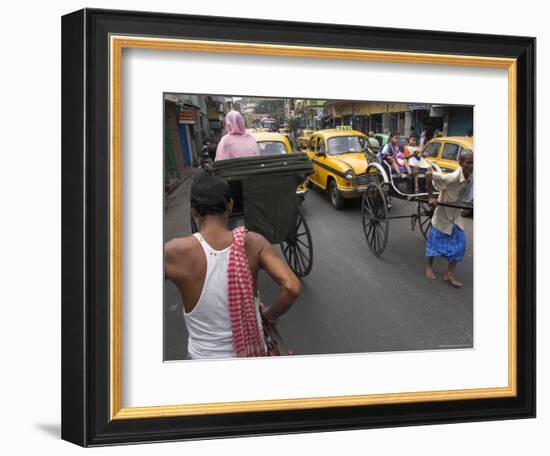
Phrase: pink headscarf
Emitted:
{"points": [[237, 142], [234, 123]]}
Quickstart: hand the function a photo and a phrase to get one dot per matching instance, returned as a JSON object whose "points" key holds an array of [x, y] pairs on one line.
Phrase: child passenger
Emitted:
{"points": [[392, 155]]}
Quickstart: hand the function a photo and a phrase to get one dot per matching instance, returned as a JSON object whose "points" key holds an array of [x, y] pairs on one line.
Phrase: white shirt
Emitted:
{"points": [[209, 323], [452, 187]]}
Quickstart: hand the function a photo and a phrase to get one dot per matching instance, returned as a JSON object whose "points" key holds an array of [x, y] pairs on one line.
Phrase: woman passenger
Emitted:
{"points": [[237, 142]]}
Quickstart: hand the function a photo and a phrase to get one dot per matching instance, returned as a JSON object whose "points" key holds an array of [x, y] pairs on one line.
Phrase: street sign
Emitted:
{"points": [[186, 117]]}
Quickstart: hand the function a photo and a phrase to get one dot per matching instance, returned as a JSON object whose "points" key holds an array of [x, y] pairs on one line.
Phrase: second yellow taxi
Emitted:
{"points": [[339, 163], [276, 144], [445, 151]]}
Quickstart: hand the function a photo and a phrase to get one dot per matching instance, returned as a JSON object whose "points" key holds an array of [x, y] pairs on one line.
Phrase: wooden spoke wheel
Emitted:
{"points": [[424, 218], [374, 215], [298, 247]]}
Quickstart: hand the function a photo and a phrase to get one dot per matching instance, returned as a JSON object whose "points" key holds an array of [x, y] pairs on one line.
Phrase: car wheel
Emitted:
{"points": [[335, 196]]}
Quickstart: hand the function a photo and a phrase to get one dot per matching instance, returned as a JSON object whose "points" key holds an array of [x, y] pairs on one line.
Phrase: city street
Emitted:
{"points": [[351, 301]]}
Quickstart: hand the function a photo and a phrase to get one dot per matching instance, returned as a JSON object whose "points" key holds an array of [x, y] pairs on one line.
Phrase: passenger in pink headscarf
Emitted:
{"points": [[237, 142]]}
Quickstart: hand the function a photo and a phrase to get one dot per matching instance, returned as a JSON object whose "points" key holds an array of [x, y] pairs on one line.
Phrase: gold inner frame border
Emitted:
{"points": [[117, 44]]}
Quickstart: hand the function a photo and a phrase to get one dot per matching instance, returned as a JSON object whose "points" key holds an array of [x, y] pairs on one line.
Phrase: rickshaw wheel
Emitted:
{"points": [[194, 226], [298, 248], [374, 215], [424, 217]]}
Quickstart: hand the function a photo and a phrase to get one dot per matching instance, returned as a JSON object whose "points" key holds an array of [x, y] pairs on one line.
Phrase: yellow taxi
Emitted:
{"points": [[445, 151], [276, 144], [302, 140], [339, 163]]}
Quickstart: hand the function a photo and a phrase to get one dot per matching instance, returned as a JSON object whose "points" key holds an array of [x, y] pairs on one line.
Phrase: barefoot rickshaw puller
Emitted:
{"points": [[447, 237]]}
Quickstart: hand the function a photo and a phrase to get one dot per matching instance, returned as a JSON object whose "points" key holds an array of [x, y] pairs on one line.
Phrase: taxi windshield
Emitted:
{"points": [[272, 148], [345, 144]]}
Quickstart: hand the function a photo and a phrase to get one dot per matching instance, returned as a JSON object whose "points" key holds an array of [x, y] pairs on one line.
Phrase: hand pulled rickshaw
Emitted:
{"points": [[263, 189], [384, 183]]}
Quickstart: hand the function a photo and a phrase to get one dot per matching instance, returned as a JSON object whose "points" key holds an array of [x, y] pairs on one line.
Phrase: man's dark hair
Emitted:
{"points": [[209, 194], [465, 155], [394, 133]]}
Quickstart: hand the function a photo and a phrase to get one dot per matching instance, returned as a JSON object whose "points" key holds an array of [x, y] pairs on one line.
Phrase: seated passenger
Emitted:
{"points": [[393, 156], [237, 142], [413, 155]]}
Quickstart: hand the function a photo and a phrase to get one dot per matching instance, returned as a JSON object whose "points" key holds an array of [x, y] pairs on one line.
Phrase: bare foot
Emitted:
{"points": [[455, 283], [430, 273]]}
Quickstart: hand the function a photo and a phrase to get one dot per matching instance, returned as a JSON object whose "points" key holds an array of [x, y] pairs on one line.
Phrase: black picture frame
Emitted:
{"points": [[85, 227]]}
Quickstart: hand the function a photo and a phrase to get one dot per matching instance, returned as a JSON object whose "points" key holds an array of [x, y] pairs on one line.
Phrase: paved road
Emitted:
{"points": [[353, 301]]}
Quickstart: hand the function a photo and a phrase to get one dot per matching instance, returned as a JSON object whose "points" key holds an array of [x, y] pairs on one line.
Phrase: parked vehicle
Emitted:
{"points": [[445, 151], [382, 138]]}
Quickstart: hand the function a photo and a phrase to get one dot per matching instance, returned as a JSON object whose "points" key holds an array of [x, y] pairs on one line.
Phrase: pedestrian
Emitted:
{"points": [[211, 146], [292, 138], [447, 237], [423, 137], [237, 142], [216, 273], [426, 135]]}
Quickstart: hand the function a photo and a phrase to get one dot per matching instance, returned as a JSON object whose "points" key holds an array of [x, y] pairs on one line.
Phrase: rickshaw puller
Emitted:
{"points": [[447, 237]]}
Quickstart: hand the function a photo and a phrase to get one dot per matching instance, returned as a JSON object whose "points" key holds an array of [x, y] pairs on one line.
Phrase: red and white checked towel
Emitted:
{"points": [[247, 339]]}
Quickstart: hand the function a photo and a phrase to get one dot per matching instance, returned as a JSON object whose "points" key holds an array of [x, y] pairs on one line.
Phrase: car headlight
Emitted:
{"points": [[349, 174]]}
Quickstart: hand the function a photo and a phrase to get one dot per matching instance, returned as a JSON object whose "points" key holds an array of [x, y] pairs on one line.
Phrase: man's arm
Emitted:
{"points": [[432, 201], [441, 180], [289, 284]]}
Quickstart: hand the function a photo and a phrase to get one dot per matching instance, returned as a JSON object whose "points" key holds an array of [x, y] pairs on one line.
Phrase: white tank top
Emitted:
{"points": [[209, 323]]}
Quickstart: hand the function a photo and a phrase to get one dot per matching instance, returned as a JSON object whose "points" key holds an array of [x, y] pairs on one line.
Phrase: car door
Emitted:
{"points": [[448, 160], [321, 160], [310, 151], [431, 151]]}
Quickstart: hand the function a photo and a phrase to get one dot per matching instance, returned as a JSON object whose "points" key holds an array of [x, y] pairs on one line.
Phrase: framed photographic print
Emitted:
{"points": [[272, 227]]}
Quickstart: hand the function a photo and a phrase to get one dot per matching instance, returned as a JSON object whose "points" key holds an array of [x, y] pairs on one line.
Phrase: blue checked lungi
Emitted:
{"points": [[451, 246]]}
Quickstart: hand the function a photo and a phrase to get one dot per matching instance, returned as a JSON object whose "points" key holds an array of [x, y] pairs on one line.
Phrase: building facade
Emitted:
{"points": [[189, 122], [405, 118]]}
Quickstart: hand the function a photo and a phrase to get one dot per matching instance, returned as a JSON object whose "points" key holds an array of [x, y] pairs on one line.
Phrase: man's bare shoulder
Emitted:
{"points": [[255, 241], [180, 248]]}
